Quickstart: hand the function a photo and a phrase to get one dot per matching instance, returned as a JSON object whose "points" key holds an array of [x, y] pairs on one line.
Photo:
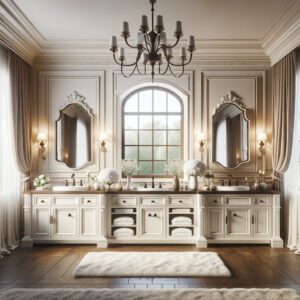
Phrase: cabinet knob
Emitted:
{"points": [[42, 201], [124, 201], [152, 201], [261, 201], [235, 215], [155, 215], [69, 215], [215, 201], [180, 201], [89, 201], [149, 215]]}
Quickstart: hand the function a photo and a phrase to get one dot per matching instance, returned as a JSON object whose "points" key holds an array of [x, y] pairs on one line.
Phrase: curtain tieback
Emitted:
{"points": [[278, 176]]}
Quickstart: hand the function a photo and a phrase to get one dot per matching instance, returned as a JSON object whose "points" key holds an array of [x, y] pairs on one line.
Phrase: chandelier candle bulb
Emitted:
{"points": [[191, 43], [145, 57], [125, 27], [169, 52], [178, 27], [145, 22], [122, 53], [114, 42], [183, 53], [163, 39], [159, 23], [139, 39]]}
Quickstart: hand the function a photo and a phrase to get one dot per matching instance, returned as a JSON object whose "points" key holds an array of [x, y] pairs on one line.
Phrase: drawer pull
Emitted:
{"points": [[69, 215], [226, 219], [215, 201], [149, 215], [124, 201], [180, 201], [155, 215], [42, 201], [235, 215], [261, 201], [152, 201], [89, 201], [252, 219]]}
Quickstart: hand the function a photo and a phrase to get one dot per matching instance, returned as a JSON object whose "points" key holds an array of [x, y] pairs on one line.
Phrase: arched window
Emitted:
{"points": [[152, 129]]}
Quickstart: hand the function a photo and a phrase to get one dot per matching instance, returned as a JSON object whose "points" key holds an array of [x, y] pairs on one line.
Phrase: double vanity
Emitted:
{"points": [[154, 217]]}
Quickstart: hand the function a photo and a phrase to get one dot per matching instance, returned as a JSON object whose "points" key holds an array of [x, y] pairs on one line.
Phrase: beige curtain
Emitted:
{"points": [[283, 97], [20, 84]]}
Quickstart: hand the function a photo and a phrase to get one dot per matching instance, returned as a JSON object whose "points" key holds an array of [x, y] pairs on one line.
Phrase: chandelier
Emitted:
{"points": [[152, 48]]}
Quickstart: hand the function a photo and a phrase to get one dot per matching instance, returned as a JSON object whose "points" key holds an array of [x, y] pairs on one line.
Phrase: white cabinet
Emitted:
{"points": [[152, 222], [238, 223], [88, 222], [65, 221], [41, 221], [215, 221], [262, 222]]}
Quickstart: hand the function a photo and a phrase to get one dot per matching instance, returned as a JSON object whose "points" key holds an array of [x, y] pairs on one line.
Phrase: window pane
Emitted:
{"points": [[160, 137], [131, 152], [145, 122], [160, 153], [146, 101], [145, 168], [131, 104], [160, 101], [145, 153], [174, 122], [160, 167], [173, 104], [174, 137], [131, 122], [160, 122], [145, 137], [131, 137], [174, 153]]}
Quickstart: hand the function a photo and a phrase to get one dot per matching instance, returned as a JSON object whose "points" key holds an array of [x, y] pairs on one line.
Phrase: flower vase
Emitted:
{"points": [[128, 183], [96, 186], [176, 183], [193, 183]]}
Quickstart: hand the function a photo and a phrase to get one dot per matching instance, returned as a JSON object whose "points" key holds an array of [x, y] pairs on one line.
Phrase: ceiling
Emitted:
{"points": [[100, 19]]}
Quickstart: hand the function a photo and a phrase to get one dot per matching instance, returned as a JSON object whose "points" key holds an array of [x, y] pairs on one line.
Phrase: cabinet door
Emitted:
{"points": [[153, 222], [88, 222], [41, 222], [215, 225], [238, 222], [262, 222], [65, 222]]}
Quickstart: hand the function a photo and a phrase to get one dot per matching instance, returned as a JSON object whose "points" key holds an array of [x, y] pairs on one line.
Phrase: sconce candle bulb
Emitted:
{"points": [[41, 139], [103, 139], [261, 138], [202, 141]]}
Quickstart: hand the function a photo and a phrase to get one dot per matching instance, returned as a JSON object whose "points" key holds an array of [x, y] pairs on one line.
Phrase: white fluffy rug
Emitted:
{"points": [[141, 264], [149, 294]]}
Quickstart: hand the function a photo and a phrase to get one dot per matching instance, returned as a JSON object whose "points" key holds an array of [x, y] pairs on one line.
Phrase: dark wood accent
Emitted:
{"points": [[52, 267]]}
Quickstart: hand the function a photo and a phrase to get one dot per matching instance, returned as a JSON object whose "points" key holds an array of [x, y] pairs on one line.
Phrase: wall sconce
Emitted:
{"points": [[202, 141], [261, 139], [103, 139], [41, 138]]}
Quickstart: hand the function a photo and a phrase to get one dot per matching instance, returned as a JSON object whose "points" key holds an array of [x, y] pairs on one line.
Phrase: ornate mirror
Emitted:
{"points": [[74, 132], [230, 129]]}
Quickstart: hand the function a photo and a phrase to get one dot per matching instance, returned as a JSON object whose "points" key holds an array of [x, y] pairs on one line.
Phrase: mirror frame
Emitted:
{"points": [[234, 99], [76, 98]]}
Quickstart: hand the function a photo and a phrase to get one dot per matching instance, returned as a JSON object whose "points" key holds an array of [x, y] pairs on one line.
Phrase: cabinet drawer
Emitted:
{"points": [[262, 200], [65, 201], [231, 200], [89, 201], [215, 200], [152, 201], [123, 201], [181, 201], [42, 200]]}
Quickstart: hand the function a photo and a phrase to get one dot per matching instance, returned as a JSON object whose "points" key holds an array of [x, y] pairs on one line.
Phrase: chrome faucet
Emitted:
{"points": [[153, 185], [73, 178]]}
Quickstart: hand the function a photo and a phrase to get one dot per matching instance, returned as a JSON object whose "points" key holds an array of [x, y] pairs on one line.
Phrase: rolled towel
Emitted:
{"points": [[123, 232], [182, 232], [182, 220], [124, 221]]}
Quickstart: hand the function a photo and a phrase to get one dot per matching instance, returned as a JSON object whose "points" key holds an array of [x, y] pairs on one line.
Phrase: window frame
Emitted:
{"points": [[166, 113]]}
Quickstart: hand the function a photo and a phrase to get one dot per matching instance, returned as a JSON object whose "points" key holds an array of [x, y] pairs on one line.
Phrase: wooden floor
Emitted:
{"points": [[52, 266]]}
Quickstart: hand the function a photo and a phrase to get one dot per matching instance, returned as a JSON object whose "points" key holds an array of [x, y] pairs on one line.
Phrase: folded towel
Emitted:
{"points": [[182, 220], [123, 232], [181, 210], [124, 221], [182, 232]]}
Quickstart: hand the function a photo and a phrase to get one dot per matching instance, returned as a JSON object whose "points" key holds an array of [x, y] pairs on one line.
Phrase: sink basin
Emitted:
{"points": [[70, 188], [233, 188], [156, 189]]}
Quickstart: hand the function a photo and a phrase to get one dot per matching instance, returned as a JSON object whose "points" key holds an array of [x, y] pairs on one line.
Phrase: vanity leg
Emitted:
{"points": [[201, 243], [27, 241], [102, 244], [276, 243], [276, 240]]}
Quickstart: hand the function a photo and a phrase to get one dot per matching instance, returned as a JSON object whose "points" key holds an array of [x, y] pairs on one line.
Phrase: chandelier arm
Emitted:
{"points": [[127, 43], [177, 76], [166, 70], [132, 64], [129, 74], [139, 71], [182, 64], [175, 44]]}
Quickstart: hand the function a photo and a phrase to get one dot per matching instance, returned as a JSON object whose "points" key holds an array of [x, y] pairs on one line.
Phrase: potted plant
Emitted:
{"points": [[129, 168], [41, 182]]}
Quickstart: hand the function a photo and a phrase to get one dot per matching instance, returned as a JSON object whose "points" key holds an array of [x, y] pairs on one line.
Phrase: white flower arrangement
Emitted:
{"points": [[108, 176], [130, 167], [194, 168], [41, 181], [174, 167]]}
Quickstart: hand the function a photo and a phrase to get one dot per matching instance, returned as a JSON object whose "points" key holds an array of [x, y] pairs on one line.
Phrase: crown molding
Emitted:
{"points": [[284, 34]]}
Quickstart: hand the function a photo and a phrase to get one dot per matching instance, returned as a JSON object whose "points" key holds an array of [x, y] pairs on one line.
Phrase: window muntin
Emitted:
{"points": [[152, 129]]}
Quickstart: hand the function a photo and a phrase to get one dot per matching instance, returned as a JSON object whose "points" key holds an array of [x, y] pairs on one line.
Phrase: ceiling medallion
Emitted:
{"points": [[152, 48]]}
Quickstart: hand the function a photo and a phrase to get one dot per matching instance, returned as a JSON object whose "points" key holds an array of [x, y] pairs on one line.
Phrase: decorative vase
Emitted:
{"points": [[176, 183], [193, 183], [128, 183], [119, 186], [96, 186]]}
